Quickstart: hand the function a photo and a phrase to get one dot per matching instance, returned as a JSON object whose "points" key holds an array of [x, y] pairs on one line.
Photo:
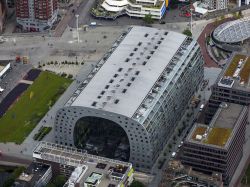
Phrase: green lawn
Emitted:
{"points": [[24, 115]]}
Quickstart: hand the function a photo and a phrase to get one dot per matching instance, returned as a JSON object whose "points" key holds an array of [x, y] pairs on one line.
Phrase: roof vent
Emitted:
{"points": [[223, 105], [198, 137]]}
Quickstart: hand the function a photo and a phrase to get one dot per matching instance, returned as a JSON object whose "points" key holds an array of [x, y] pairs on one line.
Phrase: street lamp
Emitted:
{"points": [[191, 20], [77, 29]]}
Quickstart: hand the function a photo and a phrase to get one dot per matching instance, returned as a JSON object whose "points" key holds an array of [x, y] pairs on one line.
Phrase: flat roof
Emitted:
{"points": [[32, 174], [221, 127], [237, 73], [95, 166], [93, 178], [131, 70]]}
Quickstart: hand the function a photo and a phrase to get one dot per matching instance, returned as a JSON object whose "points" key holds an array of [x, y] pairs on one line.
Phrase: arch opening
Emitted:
{"points": [[101, 137]]}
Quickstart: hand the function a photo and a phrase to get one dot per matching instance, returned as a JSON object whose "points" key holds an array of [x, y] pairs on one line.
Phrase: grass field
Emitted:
{"points": [[29, 109]]}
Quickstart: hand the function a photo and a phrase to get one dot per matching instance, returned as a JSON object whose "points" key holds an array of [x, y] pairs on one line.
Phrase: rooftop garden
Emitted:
{"points": [[245, 72], [198, 131], [234, 63], [218, 136]]}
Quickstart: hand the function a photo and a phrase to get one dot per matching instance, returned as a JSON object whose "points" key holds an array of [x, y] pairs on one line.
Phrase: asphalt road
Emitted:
{"points": [[5, 159]]}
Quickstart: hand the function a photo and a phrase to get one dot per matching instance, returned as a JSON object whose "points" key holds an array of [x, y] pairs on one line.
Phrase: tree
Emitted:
{"points": [[59, 180], [148, 19], [136, 184], [187, 32]]}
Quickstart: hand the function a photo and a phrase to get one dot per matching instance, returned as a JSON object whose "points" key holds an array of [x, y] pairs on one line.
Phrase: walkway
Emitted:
{"points": [[26, 82]]}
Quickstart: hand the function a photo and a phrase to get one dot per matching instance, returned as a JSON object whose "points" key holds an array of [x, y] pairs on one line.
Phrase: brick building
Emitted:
{"points": [[36, 15]]}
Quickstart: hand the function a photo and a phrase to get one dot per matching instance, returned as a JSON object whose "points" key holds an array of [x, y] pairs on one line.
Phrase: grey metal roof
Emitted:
{"points": [[128, 75], [233, 31]]}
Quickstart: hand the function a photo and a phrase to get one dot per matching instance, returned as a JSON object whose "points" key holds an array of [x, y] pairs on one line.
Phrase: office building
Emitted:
{"points": [[136, 8], [36, 15], [232, 85], [129, 105], [82, 169], [217, 147]]}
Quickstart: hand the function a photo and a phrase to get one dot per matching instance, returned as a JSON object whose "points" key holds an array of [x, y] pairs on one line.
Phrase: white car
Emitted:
{"points": [[1, 90], [201, 107], [173, 154]]}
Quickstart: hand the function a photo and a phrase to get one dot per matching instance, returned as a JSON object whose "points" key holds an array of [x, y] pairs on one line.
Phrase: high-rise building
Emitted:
{"points": [[10, 3], [129, 105], [36, 15], [3, 13], [232, 85], [217, 147]]}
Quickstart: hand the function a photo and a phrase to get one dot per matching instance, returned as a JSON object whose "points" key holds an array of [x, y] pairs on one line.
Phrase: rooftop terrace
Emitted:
{"points": [[220, 129], [237, 73]]}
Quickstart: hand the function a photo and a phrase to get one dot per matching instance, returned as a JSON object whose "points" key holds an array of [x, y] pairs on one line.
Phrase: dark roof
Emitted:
{"points": [[31, 175]]}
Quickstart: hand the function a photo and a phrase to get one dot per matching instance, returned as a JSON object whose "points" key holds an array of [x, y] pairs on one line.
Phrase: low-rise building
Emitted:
{"points": [[219, 146], [82, 169], [36, 175]]}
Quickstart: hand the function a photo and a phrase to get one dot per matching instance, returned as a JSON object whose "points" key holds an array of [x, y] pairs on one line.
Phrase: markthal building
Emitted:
{"points": [[129, 105]]}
